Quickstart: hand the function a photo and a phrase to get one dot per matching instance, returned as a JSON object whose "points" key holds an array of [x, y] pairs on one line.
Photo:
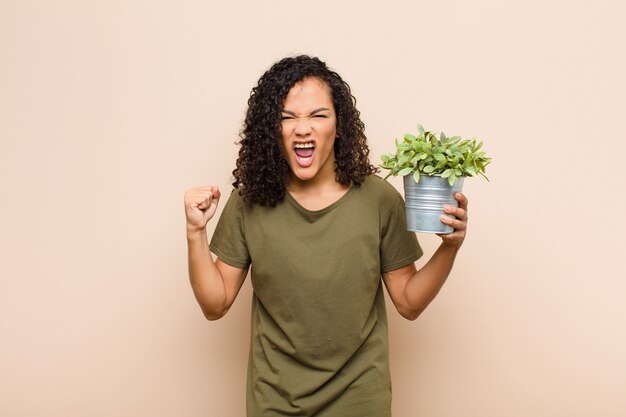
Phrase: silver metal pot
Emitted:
{"points": [[425, 201]]}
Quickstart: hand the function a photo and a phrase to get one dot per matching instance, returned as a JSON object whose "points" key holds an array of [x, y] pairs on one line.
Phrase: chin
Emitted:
{"points": [[304, 174]]}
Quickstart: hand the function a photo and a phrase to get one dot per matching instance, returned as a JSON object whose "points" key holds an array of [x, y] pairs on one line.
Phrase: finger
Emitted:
{"points": [[463, 201], [455, 223], [191, 195], [457, 212], [205, 189], [204, 201], [454, 237]]}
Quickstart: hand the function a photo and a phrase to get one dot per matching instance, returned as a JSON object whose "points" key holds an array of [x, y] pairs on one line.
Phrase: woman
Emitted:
{"points": [[319, 231]]}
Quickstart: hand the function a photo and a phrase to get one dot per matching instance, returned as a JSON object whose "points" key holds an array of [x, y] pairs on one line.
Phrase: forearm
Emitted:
{"points": [[425, 283], [206, 281]]}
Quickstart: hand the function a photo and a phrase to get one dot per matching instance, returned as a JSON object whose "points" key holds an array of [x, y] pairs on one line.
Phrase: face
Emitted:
{"points": [[309, 128]]}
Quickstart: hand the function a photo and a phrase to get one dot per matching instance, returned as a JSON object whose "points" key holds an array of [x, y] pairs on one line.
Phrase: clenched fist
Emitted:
{"points": [[200, 206]]}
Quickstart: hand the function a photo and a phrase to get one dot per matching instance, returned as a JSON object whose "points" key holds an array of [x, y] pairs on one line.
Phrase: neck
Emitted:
{"points": [[318, 192], [322, 182]]}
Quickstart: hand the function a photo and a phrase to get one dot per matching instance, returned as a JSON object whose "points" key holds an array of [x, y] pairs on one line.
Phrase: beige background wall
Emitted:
{"points": [[110, 110]]}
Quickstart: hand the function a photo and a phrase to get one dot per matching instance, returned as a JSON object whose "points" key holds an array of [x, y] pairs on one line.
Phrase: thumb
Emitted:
{"points": [[212, 203], [216, 194]]}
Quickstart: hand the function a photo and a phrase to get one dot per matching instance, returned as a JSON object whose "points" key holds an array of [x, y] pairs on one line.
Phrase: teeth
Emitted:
{"points": [[304, 145]]}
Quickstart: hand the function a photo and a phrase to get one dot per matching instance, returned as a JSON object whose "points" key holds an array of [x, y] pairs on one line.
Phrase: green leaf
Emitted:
{"points": [[405, 171], [428, 153], [416, 176]]}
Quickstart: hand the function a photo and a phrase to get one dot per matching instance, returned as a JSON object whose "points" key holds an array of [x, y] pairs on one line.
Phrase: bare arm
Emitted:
{"points": [[214, 283], [411, 290]]}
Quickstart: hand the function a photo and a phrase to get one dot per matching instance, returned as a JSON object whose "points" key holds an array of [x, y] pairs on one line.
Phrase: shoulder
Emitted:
{"points": [[375, 187], [378, 194], [235, 198], [234, 204]]}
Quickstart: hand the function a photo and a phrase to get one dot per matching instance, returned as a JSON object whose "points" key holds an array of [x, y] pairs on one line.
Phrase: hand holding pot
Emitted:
{"points": [[459, 223]]}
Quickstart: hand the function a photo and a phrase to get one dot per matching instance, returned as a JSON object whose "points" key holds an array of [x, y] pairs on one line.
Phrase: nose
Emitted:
{"points": [[302, 127]]}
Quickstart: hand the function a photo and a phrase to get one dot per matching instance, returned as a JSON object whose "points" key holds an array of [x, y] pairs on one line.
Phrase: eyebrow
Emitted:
{"points": [[310, 114]]}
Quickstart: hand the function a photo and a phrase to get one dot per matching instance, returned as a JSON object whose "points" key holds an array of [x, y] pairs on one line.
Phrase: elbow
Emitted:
{"points": [[212, 315], [410, 314]]}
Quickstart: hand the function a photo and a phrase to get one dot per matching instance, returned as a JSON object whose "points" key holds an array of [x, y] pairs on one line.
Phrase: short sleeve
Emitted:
{"points": [[399, 247], [229, 240]]}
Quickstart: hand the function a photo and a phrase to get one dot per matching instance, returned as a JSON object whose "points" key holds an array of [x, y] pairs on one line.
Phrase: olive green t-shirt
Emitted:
{"points": [[319, 327]]}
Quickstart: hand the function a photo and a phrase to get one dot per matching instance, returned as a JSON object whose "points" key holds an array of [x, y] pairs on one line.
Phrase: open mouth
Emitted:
{"points": [[304, 153]]}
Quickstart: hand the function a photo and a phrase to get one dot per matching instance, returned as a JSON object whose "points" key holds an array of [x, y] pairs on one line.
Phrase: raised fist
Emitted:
{"points": [[200, 206]]}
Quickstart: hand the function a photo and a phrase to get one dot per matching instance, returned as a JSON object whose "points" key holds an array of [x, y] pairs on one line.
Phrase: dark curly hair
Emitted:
{"points": [[262, 171]]}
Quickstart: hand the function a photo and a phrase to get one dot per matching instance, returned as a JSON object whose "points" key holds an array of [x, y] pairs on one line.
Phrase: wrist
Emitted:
{"points": [[451, 246], [194, 233]]}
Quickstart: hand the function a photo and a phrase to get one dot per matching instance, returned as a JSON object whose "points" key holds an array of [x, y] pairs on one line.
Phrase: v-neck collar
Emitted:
{"points": [[326, 209]]}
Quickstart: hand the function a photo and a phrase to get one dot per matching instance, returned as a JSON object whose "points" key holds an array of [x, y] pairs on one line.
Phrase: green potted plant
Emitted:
{"points": [[433, 170]]}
